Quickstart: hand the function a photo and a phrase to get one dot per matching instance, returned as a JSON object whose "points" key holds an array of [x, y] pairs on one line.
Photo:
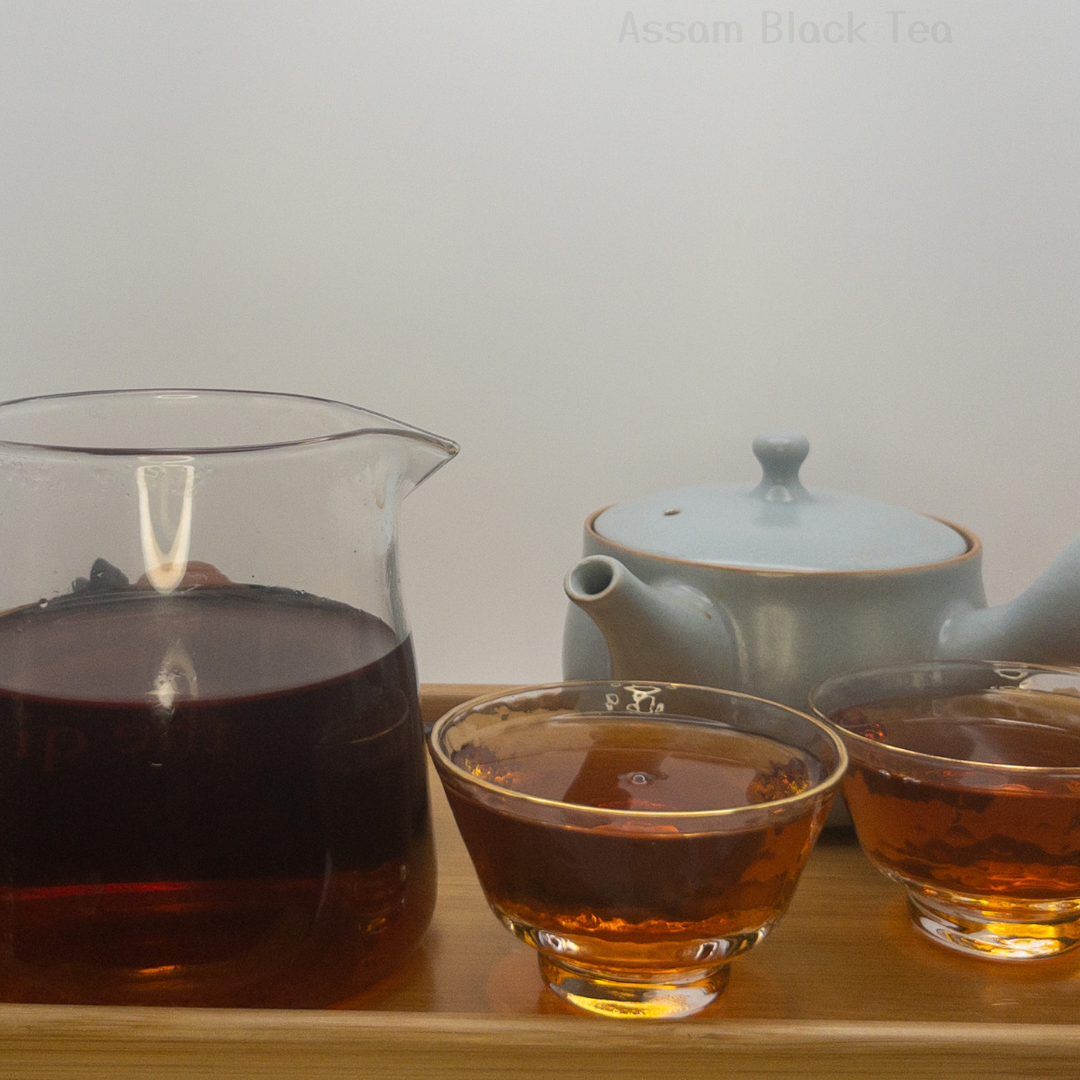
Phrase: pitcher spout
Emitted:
{"points": [[415, 453], [667, 631]]}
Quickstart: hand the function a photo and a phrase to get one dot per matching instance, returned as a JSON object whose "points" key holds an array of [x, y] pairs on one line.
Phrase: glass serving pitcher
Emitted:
{"points": [[212, 772]]}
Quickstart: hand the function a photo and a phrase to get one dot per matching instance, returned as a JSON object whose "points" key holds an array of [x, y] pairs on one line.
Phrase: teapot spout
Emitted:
{"points": [[1041, 626], [668, 631]]}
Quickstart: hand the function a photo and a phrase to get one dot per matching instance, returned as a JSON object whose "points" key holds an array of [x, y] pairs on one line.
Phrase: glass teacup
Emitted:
{"points": [[964, 786], [638, 835]]}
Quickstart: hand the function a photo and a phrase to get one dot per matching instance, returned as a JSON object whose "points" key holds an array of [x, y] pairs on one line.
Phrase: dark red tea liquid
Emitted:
{"points": [[216, 797], [636, 894], [1007, 837]]}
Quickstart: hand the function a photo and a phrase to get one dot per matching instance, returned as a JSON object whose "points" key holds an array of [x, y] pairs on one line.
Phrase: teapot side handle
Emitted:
{"points": [[1042, 625]]}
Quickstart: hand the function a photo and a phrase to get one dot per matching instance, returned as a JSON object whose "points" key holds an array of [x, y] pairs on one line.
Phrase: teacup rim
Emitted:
{"points": [[937, 760], [825, 787]]}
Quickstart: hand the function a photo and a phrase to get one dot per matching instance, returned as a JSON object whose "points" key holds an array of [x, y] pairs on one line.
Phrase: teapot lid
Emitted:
{"points": [[779, 524]]}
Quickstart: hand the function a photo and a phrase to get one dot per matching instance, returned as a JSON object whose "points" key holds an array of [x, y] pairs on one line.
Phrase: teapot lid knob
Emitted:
{"points": [[781, 453]]}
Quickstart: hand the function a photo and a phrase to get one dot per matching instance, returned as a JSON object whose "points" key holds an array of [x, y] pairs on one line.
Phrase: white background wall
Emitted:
{"points": [[601, 265]]}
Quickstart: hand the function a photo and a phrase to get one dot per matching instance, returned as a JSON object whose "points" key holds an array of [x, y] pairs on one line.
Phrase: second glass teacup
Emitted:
{"points": [[964, 786], [638, 835]]}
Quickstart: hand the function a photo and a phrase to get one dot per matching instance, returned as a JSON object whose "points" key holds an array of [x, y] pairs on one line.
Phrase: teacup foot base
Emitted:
{"points": [[608, 994], [1017, 932]]}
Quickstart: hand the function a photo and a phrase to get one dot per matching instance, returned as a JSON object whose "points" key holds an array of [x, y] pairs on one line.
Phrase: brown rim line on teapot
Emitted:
{"points": [[769, 589]]}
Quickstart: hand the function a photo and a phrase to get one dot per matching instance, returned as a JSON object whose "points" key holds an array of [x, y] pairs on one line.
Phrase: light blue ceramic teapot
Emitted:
{"points": [[770, 589]]}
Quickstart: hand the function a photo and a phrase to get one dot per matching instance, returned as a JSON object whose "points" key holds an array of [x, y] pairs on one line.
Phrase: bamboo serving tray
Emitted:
{"points": [[843, 988]]}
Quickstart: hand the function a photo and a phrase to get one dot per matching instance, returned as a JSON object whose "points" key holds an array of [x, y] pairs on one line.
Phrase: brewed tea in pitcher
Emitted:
{"points": [[213, 791]]}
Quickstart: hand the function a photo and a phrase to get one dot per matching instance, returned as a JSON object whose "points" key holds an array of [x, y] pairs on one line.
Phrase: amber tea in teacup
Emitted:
{"points": [[965, 787], [637, 852]]}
